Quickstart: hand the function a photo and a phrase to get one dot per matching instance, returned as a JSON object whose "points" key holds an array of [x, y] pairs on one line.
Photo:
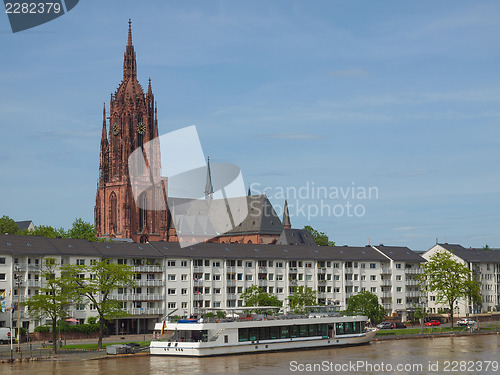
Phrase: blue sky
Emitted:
{"points": [[398, 96]]}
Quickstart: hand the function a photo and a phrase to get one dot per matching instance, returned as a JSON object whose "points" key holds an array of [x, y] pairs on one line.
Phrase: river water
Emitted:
{"points": [[447, 355]]}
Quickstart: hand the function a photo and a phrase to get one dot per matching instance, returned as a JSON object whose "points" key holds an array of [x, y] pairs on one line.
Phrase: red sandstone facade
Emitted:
{"points": [[132, 123]]}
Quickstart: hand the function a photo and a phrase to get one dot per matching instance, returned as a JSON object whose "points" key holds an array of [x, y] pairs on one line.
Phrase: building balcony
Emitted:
{"points": [[33, 283], [148, 269], [411, 282], [262, 282], [34, 267], [386, 282], [385, 271], [387, 306], [145, 311], [386, 295], [137, 297], [322, 270], [414, 271], [149, 282], [322, 281]]}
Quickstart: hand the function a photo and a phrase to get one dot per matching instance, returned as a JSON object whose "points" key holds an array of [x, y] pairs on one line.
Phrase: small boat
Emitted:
{"points": [[260, 333]]}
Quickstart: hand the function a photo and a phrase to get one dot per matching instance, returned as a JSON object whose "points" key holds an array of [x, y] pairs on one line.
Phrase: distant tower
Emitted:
{"points": [[132, 123], [286, 217], [209, 189]]}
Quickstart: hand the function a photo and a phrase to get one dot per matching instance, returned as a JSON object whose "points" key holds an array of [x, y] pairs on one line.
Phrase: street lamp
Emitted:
{"points": [[18, 278]]}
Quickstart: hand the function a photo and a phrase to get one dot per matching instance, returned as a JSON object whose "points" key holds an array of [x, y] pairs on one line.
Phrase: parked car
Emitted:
{"points": [[433, 323], [5, 335], [384, 325], [398, 325], [465, 322]]}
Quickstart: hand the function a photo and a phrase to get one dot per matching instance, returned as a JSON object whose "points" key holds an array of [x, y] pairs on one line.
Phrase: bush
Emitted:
{"points": [[42, 329]]}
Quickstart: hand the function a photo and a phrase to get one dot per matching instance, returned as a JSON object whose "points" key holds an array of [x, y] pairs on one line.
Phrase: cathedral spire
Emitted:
{"points": [[150, 91], [286, 217], [104, 137], [129, 64], [209, 189]]}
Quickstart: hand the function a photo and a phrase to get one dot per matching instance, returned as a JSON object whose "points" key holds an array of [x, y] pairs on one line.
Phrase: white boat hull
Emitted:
{"points": [[202, 349]]}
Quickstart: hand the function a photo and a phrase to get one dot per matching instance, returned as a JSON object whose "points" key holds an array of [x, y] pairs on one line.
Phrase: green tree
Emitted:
{"points": [[52, 298], [44, 231], [8, 225], [366, 303], [94, 284], [303, 296], [255, 296], [486, 247], [82, 229], [449, 280], [320, 238]]}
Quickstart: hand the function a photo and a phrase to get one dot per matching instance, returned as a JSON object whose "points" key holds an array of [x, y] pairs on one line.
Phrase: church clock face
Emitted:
{"points": [[141, 128], [115, 129]]}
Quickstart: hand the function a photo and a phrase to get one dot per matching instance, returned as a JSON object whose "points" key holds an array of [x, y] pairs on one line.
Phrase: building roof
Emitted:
{"points": [[25, 224], [400, 254], [473, 255], [40, 246], [296, 237]]}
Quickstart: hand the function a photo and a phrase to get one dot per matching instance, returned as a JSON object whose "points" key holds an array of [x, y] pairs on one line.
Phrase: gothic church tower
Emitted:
{"points": [[132, 123]]}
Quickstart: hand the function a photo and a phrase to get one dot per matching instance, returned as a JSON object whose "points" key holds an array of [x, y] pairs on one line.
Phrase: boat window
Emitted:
{"points": [[303, 331], [242, 334], [264, 333], [313, 330], [285, 333], [295, 331], [274, 332], [324, 330], [253, 335]]}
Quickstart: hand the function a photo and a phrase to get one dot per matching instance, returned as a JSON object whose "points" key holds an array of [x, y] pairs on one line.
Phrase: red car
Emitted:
{"points": [[433, 323]]}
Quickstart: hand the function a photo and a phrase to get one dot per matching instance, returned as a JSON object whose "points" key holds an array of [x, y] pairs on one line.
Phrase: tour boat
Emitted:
{"points": [[259, 333]]}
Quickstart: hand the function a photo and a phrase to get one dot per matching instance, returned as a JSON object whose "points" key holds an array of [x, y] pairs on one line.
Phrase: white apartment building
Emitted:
{"points": [[485, 266], [171, 280]]}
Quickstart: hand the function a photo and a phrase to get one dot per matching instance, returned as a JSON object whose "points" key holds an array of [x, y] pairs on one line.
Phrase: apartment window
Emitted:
{"points": [[80, 275], [248, 277], [2, 276], [363, 277], [184, 305], [373, 289], [248, 264], [309, 277], [171, 263], [122, 290], [239, 276], [336, 277], [336, 265], [356, 289], [279, 277], [80, 262], [80, 306], [2, 260], [171, 291], [301, 276], [122, 261], [399, 289], [216, 264], [171, 277], [279, 290], [355, 264], [362, 265], [216, 291], [279, 264], [271, 263], [207, 263], [329, 276], [329, 289], [207, 277], [93, 262], [399, 301], [308, 265], [184, 291], [348, 264], [216, 277], [328, 264], [239, 262], [373, 265], [172, 305], [336, 290], [373, 277], [184, 263], [398, 265], [301, 264], [398, 277], [356, 276], [240, 289], [184, 277], [93, 306]]}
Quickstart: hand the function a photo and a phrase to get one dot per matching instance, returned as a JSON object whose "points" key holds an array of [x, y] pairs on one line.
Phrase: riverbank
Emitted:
{"points": [[39, 353]]}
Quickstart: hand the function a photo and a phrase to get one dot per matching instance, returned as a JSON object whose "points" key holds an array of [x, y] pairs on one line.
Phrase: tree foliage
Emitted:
{"points": [[8, 225], [82, 229], [255, 296], [303, 296], [366, 303], [94, 284], [320, 238], [449, 280], [45, 231], [52, 298]]}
